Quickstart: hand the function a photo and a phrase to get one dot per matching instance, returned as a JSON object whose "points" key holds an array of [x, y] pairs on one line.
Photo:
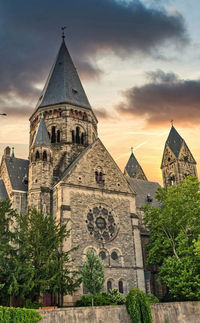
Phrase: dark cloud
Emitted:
{"points": [[102, 113], [29, 37], [165, 97], [88, 71]]}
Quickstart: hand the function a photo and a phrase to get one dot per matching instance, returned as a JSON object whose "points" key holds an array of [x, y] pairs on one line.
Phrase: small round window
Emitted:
{"points": [[114, 255]]}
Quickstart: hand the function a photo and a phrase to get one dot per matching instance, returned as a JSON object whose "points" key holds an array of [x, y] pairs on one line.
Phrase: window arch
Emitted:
{"points": [[58, 135], [82, 139], [77, 135], [121, 286], [73, 137], [109, 285], [53, 134], [37, 155], [44, 155], [99, 175]]}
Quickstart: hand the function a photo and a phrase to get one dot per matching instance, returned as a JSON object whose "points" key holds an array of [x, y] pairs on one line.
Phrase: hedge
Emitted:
{"points": [[18, 315], [138, 306]]}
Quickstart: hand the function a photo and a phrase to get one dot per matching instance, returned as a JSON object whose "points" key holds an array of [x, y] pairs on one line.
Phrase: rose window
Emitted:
{"points": [[101, 223]]}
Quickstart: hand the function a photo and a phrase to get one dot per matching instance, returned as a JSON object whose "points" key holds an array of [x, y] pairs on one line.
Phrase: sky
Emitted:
{"points": [[138, 62]]}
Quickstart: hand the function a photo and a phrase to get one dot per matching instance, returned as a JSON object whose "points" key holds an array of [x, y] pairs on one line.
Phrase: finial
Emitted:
{"points": [[131, 149], [172, 121], [63, 33]]}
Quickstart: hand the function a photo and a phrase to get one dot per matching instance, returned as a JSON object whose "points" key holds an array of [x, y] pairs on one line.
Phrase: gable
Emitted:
{"points": [[86, 169], [185, 155], [168, 156]]}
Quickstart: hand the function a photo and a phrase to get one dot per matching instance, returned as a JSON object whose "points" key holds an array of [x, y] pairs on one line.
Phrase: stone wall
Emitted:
{"points": [[180, 312], [96, 314], [177, 312]]}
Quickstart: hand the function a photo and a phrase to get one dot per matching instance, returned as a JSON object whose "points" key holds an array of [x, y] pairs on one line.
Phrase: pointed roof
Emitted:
{"points": [[63, 84], [42, 137], [133, 167], [174, 141]]}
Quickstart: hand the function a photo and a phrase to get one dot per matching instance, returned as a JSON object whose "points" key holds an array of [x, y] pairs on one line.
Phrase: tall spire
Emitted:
{"points": [[63, 84], [42, 137], [133, 168], [174, 141]]}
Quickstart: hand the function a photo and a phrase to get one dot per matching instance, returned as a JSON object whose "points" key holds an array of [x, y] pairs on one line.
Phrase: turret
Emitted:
{"points": [[133, 168], [40, 170]]}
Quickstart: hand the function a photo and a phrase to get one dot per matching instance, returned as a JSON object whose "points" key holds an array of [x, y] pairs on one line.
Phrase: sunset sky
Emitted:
{"points": [[138, 61]]}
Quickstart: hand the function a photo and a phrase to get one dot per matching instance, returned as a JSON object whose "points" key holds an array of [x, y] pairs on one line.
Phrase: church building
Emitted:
{"points": [[70, 175]]}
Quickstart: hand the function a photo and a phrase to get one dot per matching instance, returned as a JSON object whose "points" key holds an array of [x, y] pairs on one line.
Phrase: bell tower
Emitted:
{"points": [[71, 124], [177, 162]]}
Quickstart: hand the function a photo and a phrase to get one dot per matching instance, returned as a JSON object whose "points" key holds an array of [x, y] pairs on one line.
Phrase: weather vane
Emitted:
{"points": [[63, 33], [172, 121], [132, 149]]}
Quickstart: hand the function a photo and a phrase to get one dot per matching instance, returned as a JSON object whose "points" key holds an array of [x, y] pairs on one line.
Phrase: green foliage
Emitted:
{"points": [[29, 304], [92, 273], [152, 298], [175, 238], [103, 299], [138, 306], [18, 315], [41, 265], [7, 250]]}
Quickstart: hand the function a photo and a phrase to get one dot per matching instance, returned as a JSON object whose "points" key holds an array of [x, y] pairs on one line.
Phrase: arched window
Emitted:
{"points": [[49, 135], [77, 135], [171, 180], [53, 134], [121, 287], [37, 155], [73, 138], [102, 255], [82, 138], [109, 285], [114, 255], [58, 135], [44, 156]]}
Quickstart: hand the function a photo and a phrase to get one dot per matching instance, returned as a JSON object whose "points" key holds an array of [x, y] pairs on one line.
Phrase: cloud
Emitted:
{"points": [[102, 113], [163, 98], [29, 37]]}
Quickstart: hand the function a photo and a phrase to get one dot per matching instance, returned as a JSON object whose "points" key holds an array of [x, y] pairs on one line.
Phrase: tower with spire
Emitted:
{"points": [[133, 168], [177, 162], [40, 170], [71, 124]]}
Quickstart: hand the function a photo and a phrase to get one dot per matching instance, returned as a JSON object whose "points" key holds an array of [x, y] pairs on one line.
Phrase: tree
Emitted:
{"points": [[7, 249], [174, 238], [92, 273], [42, 265]]}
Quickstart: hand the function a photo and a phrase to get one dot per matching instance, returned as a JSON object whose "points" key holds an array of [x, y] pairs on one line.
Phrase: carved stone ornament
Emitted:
{"points": [[102, 223]]}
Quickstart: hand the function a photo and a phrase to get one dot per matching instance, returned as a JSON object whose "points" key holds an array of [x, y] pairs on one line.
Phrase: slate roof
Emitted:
{"points": [[42, 137], [132, 166], [17, 169], [3, 192], [142, 189], [174, 141], [63, 84]]}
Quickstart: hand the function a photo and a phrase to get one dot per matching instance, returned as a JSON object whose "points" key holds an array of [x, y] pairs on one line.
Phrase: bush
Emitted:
{"points": [[138, 306], [152, 298], [18, 315], [30, 304], [103, 299]]}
